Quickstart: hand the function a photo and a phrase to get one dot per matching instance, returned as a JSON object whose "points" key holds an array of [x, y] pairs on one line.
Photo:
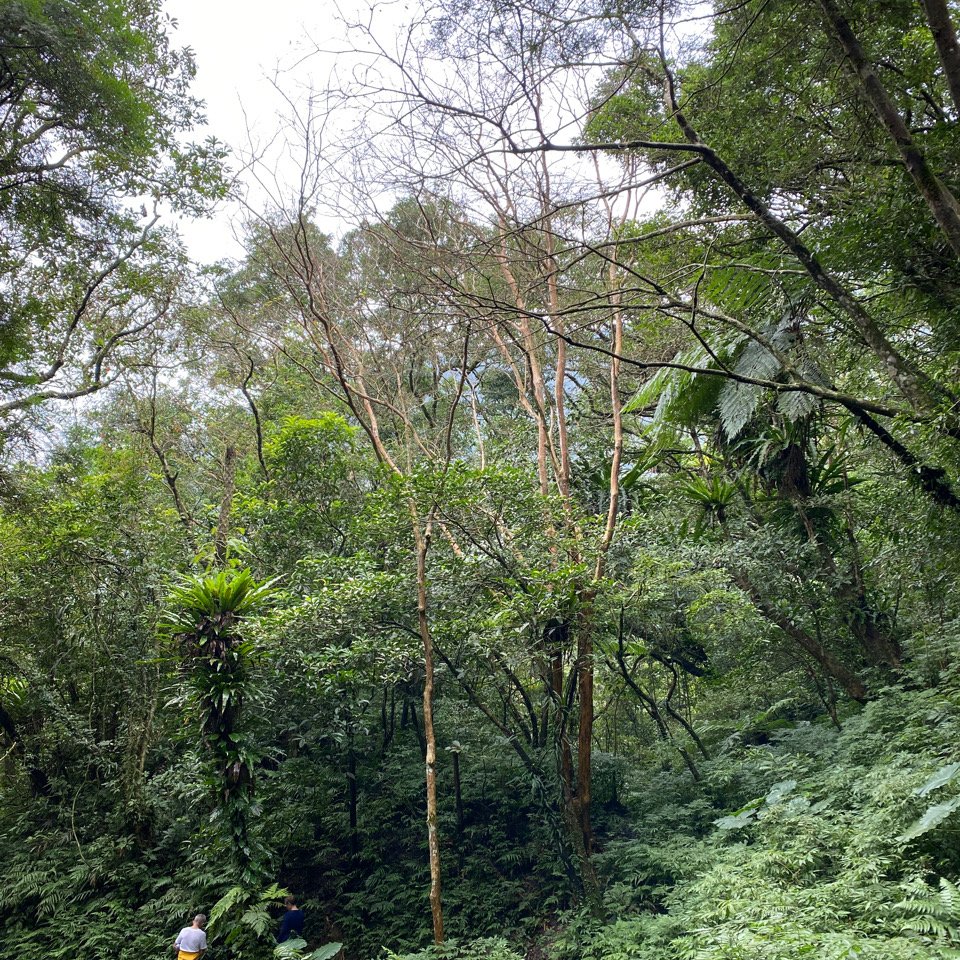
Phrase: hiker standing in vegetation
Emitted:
{"points": [[191, 942], [292, 923]]}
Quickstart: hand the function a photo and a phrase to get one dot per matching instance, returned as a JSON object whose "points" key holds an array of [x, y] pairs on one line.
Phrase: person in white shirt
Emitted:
{"points": [[191, 942]]}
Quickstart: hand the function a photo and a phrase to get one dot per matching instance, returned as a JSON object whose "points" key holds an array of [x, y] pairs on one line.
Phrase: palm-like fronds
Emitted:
{"points": [[713, 494], [682, 397], [223, 597]]}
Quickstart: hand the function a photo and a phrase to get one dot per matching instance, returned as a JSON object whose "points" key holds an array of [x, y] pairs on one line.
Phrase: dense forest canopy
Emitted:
{"points": [[556, 560]]}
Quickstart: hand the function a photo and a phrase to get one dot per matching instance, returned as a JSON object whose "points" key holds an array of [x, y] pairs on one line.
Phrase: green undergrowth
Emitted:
{"points": [[819, 843], [800, 841]]}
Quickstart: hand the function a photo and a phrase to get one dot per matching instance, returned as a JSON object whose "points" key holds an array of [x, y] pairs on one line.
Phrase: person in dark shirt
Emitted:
{"points": [[292, 923]]}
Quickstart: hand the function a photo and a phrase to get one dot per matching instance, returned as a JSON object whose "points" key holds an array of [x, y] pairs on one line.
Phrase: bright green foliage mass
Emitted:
{"points": [[96, 110]]}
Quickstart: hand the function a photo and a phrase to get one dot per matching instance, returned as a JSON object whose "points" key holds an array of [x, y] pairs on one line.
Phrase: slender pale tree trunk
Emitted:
{"points": [[344, 362], [433, 836], [528, 380]]}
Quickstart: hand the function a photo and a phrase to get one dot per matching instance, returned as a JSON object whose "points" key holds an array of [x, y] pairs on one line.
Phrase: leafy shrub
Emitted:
{"points": [[491, 948]]}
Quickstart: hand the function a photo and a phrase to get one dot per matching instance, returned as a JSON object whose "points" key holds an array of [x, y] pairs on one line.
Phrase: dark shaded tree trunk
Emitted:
{"points": [[942, 203], [678, 717], [931, 479], [457, 791], [414, 721], [854, 687], [352, 801], [879, 646], [223, 520], [584, 792], [388, 719], [39, 781], [652, 708], [553, 810], [257, 422], [945, 37], [912, 383]]}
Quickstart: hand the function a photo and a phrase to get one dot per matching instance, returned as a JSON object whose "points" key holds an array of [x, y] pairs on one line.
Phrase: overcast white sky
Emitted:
{"points": [[245, 50], [239, 45]]}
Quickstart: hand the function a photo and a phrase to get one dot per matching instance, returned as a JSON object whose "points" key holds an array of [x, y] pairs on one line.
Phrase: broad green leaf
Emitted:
{"points": [[736, 821], [933, 817], [289, 948], [942, 776], [780, 790], [326, 952]]}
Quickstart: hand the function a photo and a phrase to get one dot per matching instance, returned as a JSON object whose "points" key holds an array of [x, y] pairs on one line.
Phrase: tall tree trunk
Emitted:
{"points": [[433, 839]]}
